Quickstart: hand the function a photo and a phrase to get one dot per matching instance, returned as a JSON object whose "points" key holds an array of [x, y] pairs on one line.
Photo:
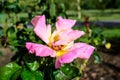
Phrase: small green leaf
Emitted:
{"points": [[11, 33], [96, 57], [31, 62], [8, 70], [38, 75], [1, 31], [33, 66], [59, 75], [28, 75], [16, 75], [70, 71], [52, 10], [0, 53]]}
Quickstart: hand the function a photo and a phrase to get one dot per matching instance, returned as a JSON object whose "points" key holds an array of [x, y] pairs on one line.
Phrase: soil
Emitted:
{"points": [[108, 69], [6, 55]]}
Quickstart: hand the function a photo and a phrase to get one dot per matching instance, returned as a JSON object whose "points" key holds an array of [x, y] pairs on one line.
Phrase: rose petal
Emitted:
{"points": [[84, 50], [64, 24], [49, 31], [30, 48], [34, 21], [40, 28], [75, 34], [57, 63], [40, 50], [70, 35], [78, 50], [69, 56], [61, 42]]}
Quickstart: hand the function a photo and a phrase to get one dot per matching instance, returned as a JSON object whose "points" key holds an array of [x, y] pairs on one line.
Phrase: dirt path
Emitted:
{"points": [[6, 56]]}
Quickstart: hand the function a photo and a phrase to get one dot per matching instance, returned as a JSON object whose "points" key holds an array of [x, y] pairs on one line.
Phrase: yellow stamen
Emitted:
{"points": [[60, 53], [56, 38]]}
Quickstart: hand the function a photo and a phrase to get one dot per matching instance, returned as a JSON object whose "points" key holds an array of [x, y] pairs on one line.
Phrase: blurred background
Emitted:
{"points": [[102, 17]]}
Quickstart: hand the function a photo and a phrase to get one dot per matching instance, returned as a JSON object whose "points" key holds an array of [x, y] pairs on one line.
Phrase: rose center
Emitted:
{"points": [[57, 48]]}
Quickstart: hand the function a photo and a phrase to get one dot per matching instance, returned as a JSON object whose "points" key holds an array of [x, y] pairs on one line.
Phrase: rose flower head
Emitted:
{"points": [[59, 43]]}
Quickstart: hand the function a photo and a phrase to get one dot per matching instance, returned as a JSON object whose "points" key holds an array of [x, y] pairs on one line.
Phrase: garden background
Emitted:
{"points": [[103, 17]]}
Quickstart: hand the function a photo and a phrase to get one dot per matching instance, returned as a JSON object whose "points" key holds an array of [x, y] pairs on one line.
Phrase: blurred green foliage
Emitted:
{"points": [[24, 66]]}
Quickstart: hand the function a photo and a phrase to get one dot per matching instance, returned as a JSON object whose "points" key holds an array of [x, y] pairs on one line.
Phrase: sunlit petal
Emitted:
{"points": [[61, 42], [69, 56], [84, 50], [64, 24], [79, 50], [40, 50], [70, 35], [49, 31], [40, 27]]}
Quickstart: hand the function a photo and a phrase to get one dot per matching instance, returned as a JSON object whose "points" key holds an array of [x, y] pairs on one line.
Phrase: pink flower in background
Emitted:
{"points": [[59, 43]]}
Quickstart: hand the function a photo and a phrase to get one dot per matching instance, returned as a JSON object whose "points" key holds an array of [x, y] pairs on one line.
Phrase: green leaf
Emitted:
{"points": [[13, 42], [10, 30], [8, 70], [96, 57], [11, 34], [31, 62], [52, 10], [28, 75], [1, 53], [33, 66], [1, 31], [59, 75], [69, 70], [38, 75], [16, 75]]}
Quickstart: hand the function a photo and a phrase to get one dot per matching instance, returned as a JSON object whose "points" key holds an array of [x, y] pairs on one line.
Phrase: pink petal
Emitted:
{"points": [[30, 48], [75, 34], [64, 24], [40, 50], [69, 56], [84, 50], [79, 50], [40, 27], [34, 21], [57, 63], [61, 42], [49, 30], [70, 35]]}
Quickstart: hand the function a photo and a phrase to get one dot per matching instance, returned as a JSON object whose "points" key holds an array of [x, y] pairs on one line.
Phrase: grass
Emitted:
{"points": [[109, 14], [108, 32], [111, 32]]}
